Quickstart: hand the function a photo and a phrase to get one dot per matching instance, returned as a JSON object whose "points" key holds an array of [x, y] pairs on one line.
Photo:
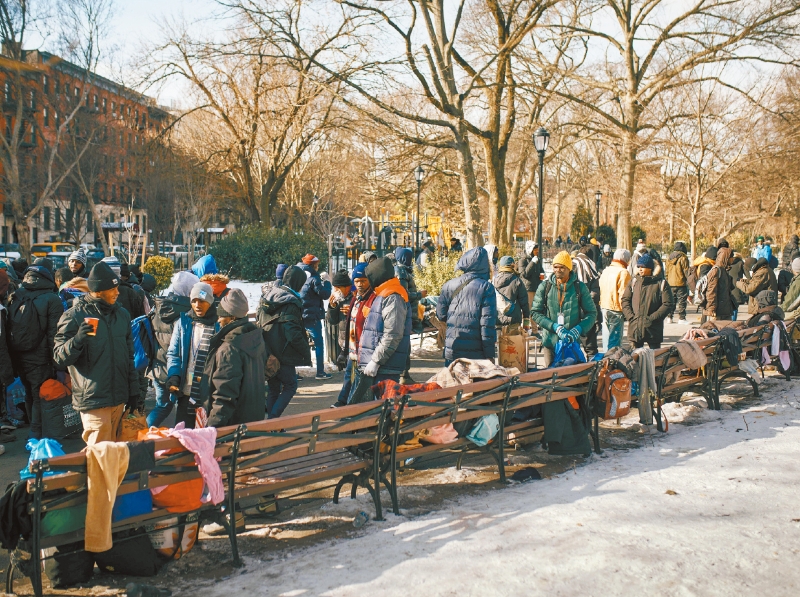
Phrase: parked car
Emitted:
{"points": [[43, 249], [10, 250]]}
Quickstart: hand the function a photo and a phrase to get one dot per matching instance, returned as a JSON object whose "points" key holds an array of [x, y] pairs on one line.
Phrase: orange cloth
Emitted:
{"points": [[217, 286], [392, 286]]}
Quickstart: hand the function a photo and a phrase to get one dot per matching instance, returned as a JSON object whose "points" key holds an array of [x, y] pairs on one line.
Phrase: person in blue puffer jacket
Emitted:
{"points": [[314, 294], [469, 307]]}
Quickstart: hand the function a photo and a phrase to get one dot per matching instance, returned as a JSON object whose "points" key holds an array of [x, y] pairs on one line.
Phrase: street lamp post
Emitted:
{"points": [[540, 141], [419, 174], [597, 196]]}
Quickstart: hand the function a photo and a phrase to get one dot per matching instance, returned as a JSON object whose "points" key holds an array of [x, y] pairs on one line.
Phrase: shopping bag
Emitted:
{"points": [[41, 449], [514, 351], [568, 353]]}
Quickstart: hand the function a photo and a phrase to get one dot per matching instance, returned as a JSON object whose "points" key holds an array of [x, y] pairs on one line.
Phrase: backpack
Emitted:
{"points": [[699, 299], [612, 392], [144, 342], [676, 276], [504, 306], [24, 326]]}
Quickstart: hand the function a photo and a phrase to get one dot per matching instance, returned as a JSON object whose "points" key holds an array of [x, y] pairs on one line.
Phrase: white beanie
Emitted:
{"points": [[529, 247], [796, 266], [622, 255]]}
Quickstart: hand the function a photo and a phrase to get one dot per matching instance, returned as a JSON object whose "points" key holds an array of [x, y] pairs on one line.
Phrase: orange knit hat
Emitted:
{"points": [[309, 259]]}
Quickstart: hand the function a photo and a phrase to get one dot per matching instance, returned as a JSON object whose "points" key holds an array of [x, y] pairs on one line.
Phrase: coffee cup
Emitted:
{"points": [[92, 321]]}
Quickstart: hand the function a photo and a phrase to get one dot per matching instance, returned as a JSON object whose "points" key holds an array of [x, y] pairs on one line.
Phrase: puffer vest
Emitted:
{"points": [[371, 336]]}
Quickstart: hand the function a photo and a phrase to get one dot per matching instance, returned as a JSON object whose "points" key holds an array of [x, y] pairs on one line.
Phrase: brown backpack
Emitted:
{"points": [[612, 393]]}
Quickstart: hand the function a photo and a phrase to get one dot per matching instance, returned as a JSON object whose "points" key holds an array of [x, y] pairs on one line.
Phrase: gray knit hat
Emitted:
{"points": [[202, 291], [78, 255], [796, 266], [234, 304]]}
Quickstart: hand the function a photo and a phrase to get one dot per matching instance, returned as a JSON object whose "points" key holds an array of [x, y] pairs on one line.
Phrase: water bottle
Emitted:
{"points": [[360, 520]]}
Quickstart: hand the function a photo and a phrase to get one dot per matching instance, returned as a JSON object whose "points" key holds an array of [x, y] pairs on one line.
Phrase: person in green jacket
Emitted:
{"points": [[563, 307], [791, 300], [100, 359]]}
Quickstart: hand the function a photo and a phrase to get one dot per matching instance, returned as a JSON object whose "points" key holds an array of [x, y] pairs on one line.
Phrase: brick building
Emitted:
{"points": [[117, 123]]}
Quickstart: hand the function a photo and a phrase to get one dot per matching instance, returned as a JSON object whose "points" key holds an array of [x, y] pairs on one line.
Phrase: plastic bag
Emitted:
{"points": [[567, 353], [15, 400], [484, 430], [41, 449]]}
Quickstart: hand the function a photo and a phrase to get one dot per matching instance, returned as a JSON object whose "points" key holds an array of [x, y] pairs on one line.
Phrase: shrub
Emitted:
{"points": [[439, 270], [161, 268], [637, 232], [255, 251], [606, 235]]}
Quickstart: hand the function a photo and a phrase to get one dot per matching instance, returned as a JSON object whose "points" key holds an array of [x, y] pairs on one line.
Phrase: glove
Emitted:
{"points": [[83, 333], [133, 402], [341, 361], [561, 332], [575, 333], [371, 370], [173, 381]]}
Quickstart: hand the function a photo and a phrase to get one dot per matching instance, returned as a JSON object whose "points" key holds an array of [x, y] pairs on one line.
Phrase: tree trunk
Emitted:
{"points": [[556, 215], [498, 195], [692, 235], [97, 220], [626, 201], [469, 193]]}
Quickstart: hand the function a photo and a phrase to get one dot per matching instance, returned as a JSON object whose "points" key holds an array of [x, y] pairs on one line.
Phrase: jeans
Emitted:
{"points": [[361, 391], [735, 314], [347, 385], [32, 379], [282, 388], [315, 330], [163, 406], [613, 325], [680, 294]]}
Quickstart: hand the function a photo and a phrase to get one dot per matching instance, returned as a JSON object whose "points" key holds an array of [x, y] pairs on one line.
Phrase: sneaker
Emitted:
{"points": [[324, 376], [682, 322], [267, 507], [7, 436], [7, 425]]}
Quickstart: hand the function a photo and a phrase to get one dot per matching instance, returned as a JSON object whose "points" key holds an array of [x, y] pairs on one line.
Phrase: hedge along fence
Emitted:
{"points": [[161, 268], [255, 251], [439, 270]]}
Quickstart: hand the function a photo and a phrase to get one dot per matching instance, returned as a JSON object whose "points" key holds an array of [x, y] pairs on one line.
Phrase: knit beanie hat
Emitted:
{"points": [[202, 291], [78, 255], [46, 263], [766, 298], [722, 243], [712, 252], [309, 259], [796, 266], [183, 282], [564, 259], [148, 283], [124, 270], [101, 278], [506, 261], [360, 271], [234, 304], [379, 271], [622, 255], [646, 261], [341, 279], [280, 270]]}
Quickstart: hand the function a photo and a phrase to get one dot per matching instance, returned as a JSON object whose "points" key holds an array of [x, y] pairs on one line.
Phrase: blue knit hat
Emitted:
{"points": [[646, 261], [279, 271], [360, 271], [505, 261]]}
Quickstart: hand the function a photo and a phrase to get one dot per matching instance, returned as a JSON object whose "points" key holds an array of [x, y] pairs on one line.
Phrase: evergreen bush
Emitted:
{"points": [[439, 270], [161, 268]]}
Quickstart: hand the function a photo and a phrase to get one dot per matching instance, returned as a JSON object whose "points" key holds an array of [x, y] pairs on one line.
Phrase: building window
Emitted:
{"points": [[45, 84], [114, 108], [46, 218], [7, 91], [113, 192], [32, 100], [95, 101], [32, 137], [57, 214], [130, 140], [105, 105], [46, 117], [77, 92], [35, 235], [89, 224], [121, 139]]}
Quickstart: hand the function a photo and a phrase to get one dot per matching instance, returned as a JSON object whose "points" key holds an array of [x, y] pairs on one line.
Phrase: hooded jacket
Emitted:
{"points": [[233, 380], [6, 368], [280, 319], [575, 303], [404, 270], [386, 337], [645, 304], [166, 311], [471, 314], [791, 300], [314, 294], [132, 299], [48, 308], [761, 278], [205, 265], [530, 268], [101, 367], [180, 344], [719, 302], [703, 264], [677, 266], [787, 252], [510, 286]]}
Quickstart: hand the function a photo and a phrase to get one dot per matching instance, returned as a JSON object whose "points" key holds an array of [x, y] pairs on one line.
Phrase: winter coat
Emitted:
{"points": [[6, 368], [677, 268], [280, 317], [166, 311], [49, 309], [132, 299], [386, 337], [471, 315], [69, 291], [702, 265], [233, 382], [530, 269], [719, 302], [180, 347], [205, 265], [404, 270], [335, 317], [645, 304], [101, 367], [791, 300], [764, 251], [613, 282], [761, 278], [577, 306], [736, 267], [510, 286], [314, 294], [788, 250]]}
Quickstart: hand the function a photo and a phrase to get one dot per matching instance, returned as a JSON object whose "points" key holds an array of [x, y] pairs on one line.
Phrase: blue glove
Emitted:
{"points": [[561, 332], [575, 333]]}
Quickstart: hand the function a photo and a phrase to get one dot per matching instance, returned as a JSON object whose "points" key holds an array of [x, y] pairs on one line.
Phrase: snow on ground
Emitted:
{"points": [[710, 508]]}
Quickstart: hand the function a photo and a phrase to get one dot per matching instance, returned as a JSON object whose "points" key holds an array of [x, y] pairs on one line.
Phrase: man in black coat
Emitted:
{"points": [[789, 249], [515, 308], [531, 270], [646, 303], [32, 338], [233, 389]]}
